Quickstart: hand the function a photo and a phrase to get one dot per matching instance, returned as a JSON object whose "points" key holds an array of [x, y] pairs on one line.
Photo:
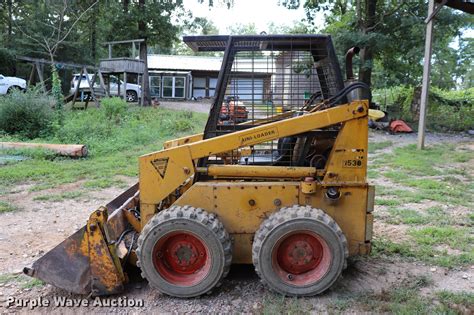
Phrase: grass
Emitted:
{"points": [[375, 146], [454, 237], [449, 299], [404, 298], [407, 216], [435, 234], [31, 283], [6, 278], [383, 247], [60, 197], [114, 147], [410, 160], [6, 207], [279, 304], [24, 281]]}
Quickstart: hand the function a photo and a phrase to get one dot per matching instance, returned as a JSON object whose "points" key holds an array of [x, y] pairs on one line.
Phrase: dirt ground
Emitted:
{"points": [[40, 225]]}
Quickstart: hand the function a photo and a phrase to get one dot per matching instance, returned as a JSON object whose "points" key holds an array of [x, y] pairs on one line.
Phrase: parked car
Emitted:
{"points": [[8, 84], [133, 92]]}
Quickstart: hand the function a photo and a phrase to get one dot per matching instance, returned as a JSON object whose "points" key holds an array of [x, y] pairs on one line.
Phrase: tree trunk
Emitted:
{"points": [[93, 32], [142, 31], [10, 22], [125, 5], [366, 55], [365, 71]]}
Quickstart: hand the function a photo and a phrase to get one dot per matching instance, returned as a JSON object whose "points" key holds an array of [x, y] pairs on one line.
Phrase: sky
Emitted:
{"points": [[259, 12]]}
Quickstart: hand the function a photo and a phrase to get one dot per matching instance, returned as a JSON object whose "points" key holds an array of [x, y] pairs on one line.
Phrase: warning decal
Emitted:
{"points": [[160, 165]]}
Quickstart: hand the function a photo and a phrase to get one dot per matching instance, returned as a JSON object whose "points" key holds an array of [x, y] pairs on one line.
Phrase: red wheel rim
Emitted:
{"points": [[181, 258], [301, 258]]}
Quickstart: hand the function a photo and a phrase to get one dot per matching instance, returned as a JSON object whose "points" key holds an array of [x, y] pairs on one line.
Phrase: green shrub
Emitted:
{"points": [[447, 110], [27, 115], [115, 108], [84, 127]]}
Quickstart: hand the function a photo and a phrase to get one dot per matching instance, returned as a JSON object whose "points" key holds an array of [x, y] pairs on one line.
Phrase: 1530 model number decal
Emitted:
{"points": [[352, 163]]}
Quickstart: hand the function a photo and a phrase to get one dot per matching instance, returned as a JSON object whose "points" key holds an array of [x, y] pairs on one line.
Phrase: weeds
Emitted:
{"points": [[24, 281], [27, 115], [31, 283], [404, 298], [456, 238], [60, 197], [6, 207], [422, 252], [462, 298], [113, 148], [279, 304], [375, 146]]}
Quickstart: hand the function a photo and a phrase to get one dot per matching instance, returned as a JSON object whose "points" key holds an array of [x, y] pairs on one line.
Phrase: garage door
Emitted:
{"points": [[247, 89]]}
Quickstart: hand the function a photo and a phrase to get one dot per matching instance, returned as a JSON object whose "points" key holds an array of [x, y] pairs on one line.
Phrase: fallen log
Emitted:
{"points": [[72, 150]]}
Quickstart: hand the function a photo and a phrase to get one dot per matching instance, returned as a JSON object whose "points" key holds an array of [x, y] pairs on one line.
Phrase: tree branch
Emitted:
{"points": [[74, 24]]}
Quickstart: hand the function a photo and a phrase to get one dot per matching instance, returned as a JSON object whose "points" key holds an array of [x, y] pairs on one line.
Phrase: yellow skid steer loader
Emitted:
{"points": [[284, 190]]}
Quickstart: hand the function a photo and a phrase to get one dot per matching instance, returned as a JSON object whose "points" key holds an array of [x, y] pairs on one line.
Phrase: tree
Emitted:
{"points": [[390, 33], [243, 29], [48, 24]]}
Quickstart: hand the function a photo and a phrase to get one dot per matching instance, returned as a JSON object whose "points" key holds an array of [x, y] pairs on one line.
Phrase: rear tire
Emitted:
{"points": [[299, 251], [184, 251]]}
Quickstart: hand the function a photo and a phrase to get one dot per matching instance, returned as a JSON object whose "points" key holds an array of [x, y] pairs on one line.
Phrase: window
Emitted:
{"points": [[179, 87], [174, 87], [204, 86], [212, 86], [155, 86], [199, 87]]}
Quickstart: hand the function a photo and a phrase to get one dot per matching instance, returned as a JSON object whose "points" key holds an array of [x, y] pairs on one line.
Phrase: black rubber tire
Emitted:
{"points": [[131, 96], [14, 88], [291, 219], [207, 227]]}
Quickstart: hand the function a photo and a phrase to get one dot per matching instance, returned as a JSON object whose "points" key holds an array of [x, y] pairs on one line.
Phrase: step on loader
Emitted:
{"points": [[284, 188]]}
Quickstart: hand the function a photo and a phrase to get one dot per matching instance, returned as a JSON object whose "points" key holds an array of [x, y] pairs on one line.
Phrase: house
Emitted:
{"points": [[176, 77]]}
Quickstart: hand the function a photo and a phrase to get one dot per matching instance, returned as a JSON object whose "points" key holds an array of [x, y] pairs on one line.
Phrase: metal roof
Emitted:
{"points": [[175, 62], [463, 5], [256, 42], [204, 63]]}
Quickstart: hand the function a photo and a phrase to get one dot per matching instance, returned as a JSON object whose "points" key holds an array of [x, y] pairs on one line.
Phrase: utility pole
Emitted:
{"points": [[426, 75]]}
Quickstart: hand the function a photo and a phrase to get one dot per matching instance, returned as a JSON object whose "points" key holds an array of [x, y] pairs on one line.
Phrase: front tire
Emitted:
{"points": [[131, 96], [299, 251], [184, 251], [15, 88]]}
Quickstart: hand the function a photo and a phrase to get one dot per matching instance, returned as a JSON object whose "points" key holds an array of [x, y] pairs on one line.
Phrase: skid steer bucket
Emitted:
{"points": [[87, 262]]}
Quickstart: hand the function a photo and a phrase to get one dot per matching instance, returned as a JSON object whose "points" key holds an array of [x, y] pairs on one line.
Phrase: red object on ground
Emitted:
{"points": [[399, 126], [181, 258], [301, 258]]}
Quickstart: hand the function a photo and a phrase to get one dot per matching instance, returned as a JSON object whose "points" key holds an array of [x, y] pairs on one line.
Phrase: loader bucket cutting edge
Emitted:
{"points": [[65, 266], [83, 264]]}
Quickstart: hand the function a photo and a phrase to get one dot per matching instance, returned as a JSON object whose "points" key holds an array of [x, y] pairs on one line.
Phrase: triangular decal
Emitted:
{"points": [[160, 165]]}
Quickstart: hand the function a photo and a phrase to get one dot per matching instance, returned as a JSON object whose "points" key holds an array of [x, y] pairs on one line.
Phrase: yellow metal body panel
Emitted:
{"points": [[249, 194], [164, 171], [347, 162], [242, 206], [182, 141]]}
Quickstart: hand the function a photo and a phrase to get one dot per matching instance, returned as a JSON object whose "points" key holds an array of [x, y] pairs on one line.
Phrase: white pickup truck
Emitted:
{"points": [[8, 84], [133, 90]]}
